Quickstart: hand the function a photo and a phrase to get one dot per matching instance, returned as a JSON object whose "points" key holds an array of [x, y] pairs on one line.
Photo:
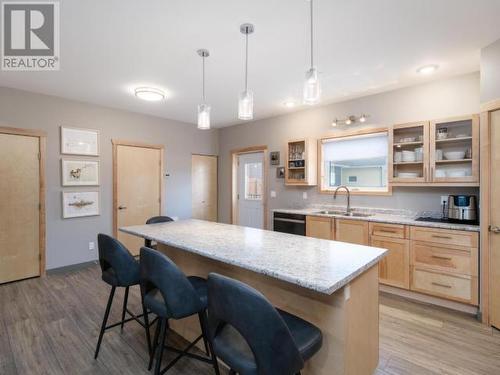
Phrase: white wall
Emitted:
{"points": [[490, 72], [67, 240], [451, 97]]}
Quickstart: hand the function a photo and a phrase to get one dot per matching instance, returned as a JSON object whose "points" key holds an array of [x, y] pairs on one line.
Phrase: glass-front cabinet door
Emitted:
{"points": [[454, 150], [409, 159]]}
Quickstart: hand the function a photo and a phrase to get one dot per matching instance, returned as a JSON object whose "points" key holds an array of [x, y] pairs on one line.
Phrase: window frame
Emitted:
{"points": [[323, 184]]}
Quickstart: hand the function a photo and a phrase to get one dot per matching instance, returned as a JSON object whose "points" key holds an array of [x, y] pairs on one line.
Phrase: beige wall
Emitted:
{"points": [[490, 72], [67, 240], [451, 97]]}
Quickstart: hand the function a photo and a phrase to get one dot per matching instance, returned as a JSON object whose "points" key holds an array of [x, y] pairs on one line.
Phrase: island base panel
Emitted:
{"points": [[349, 318]]}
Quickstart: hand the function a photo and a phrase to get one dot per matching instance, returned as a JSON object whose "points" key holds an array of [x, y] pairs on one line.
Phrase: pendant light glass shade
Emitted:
{"points": [[312, 88], [203, 109], [203, 116], [245, 105]]}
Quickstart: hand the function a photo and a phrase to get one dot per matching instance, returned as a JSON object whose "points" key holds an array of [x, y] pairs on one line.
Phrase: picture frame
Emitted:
{"points": [[79, 141], [275, 157], [80, 204], [79, 172], [280, 172]]}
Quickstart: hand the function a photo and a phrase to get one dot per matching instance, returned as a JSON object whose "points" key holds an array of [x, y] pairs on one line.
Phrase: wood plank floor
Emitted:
{"points": [[50, 325]]}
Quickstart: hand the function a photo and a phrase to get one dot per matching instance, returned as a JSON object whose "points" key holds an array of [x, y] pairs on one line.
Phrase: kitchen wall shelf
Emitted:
{"points": [[301, 162]]}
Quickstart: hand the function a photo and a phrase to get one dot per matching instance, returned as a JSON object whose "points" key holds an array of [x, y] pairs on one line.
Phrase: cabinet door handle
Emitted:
{"points": [[386, 231], [441, 257], [122, 207], [443, 237], [441, 285]]}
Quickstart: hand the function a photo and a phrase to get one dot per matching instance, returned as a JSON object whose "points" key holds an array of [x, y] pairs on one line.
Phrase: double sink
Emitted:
{"points": [[343, 213]]}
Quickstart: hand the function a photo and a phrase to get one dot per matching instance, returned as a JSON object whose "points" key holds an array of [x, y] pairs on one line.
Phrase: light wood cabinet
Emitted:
{"points": [[444, 263], [320, 227], [352, 231], [394, 268], [461, 137], [440, 153], [301, 162]]}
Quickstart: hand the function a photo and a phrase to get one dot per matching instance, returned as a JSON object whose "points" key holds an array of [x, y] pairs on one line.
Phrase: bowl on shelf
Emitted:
{"points": [[454, 155], [440, 173], [407, 139], [408, 174]]}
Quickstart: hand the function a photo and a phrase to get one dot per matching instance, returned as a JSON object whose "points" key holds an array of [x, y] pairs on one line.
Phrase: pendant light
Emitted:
{"points": [[203, 108], [245, 103], [312, 89]]}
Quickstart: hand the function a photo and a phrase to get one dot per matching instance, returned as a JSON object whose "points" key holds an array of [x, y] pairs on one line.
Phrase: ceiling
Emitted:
{"points": [[362, 47]]}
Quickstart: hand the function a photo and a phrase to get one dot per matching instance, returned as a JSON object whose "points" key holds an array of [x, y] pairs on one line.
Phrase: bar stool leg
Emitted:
{"points": [[160, 345], [125, 301], [204, 330], [155, 344], [105, 320], [146, 327]]}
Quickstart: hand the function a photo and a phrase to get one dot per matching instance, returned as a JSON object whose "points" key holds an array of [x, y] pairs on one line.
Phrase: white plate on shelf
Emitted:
{"points": [[408, 175], [456, 173]]}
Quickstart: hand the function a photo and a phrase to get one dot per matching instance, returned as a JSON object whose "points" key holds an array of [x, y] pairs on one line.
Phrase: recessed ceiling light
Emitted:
{"points": [[289, 104], [427, 69], [149, 93]]}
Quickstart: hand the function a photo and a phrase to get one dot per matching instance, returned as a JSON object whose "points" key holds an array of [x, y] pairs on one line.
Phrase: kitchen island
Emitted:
{"points": [[334, 285]]}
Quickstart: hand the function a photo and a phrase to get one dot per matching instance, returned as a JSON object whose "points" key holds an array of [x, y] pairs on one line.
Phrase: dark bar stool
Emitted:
{"points": [[119, 269], [253, 337], [169, 294], [156, 220]]}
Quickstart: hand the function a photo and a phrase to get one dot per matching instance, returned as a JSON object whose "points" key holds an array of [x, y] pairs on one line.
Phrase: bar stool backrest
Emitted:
{"points": [[114, 256], [159, 219], [159, 272], [255, 318]]}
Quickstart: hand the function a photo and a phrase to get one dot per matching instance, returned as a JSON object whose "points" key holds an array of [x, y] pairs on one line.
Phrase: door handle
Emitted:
{"points": [[122, 207], [494, 229]]}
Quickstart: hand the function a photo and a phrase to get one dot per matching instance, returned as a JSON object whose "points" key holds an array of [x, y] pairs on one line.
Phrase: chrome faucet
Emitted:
{"points": [[348, 208]]}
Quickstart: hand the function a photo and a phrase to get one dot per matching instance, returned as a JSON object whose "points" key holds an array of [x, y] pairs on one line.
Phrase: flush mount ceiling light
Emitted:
{"points": [[203, 108], [350, 120], [245, 102], [427, 69], [312, 89], [149, 93], [289, 104]]}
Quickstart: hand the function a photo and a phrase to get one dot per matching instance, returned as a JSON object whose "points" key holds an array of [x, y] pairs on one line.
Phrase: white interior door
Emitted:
{"points": [[251, 190]]}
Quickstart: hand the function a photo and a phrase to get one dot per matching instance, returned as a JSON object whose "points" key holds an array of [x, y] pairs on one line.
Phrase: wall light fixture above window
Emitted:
{"points": [[350, 120]]}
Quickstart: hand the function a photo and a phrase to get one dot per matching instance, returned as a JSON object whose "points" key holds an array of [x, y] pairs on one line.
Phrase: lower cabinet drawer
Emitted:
{"points": [[445, 258], [455, 287]]}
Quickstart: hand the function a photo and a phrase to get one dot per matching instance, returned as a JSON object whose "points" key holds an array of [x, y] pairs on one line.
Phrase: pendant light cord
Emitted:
{"points": [[246, 61], [312, 30], [203, 85]]}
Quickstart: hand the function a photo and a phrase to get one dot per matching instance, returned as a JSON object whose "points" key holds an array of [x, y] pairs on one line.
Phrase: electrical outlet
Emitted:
{"points": [[444, 200], [273, 194], [91, 246], [304, 195]]}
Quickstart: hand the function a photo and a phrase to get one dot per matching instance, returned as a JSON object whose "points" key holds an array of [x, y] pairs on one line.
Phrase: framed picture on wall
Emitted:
{"points": [[77, 141], [80, 203], [275, 158], [79, 172], [280, 172]]}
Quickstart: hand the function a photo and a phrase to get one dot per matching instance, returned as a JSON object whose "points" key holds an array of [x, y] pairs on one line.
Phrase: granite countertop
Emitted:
{"points": [[320, 265], [383, 216]]}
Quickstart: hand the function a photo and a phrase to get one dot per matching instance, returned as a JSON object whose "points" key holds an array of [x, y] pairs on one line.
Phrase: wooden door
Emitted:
{"points": [[20, 205], [204, 187], [138, 189], [319, 227], [352, 231], [394, 268], [495, 219]]}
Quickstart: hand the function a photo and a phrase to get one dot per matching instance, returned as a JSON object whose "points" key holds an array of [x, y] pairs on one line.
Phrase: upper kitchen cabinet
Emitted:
{"points": [[454, 150], [409, 153], [301, 159], [443, 152]]}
